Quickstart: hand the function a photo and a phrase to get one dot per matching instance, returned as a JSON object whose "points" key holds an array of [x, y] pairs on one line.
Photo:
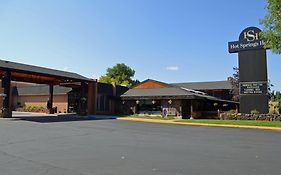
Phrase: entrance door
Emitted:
{"points": [[73, 101], [186, 109]]}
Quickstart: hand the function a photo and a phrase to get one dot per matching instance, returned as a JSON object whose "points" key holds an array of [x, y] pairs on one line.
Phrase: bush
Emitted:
{"points": [[232, 111], [31, 108], [265, 117], [255, 112]]}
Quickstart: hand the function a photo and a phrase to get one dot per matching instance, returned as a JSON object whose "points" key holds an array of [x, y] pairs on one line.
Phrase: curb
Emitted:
{"points": [[199, 124]]}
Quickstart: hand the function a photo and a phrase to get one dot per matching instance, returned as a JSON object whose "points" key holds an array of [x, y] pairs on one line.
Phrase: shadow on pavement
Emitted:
{"points": [[59, 118]]}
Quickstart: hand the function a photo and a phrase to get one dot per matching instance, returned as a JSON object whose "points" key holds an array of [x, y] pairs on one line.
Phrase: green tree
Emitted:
{"points": [[276, 96], [121, 74], [234, 80], [272, 26]]}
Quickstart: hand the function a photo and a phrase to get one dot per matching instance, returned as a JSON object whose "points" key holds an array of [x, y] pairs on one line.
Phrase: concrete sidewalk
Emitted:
{"points": [[176, 122]]}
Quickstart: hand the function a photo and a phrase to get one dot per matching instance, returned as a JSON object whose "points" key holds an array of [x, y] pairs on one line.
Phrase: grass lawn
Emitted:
{"points": [[235, 122], [158, 117]]}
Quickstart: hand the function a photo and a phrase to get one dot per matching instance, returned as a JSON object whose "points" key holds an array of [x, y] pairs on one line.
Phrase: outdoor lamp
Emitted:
{"points": [[170, 102], [3, 95]]}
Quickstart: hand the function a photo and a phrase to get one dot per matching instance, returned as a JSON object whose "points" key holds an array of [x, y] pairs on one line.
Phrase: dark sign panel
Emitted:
{"points": [[237, 46], [249, 39], [252, 70], [252, 88]]}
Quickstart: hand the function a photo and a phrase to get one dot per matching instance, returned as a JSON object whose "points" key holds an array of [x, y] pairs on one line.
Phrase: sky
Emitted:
{"points": [[165, 40]]}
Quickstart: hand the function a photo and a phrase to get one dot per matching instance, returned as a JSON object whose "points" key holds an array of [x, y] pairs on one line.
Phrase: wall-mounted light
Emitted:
{"points": [[170, 102], [3, 95]]}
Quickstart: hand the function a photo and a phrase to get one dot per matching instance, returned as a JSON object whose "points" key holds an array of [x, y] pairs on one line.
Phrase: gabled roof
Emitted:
{"points": [[212, 85], [149, 83], [41, 90], [172, 92], [178, 90]]}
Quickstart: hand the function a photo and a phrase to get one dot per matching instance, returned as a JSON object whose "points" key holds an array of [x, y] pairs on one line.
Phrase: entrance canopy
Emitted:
{"points": [[11, 71], [39, 75]]}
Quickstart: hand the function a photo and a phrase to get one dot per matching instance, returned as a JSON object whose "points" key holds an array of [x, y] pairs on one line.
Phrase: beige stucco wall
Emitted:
{"points": [[60, 101]]}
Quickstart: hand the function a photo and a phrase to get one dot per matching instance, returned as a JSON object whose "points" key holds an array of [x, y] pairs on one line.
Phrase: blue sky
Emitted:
{"points": [[166, 40]]}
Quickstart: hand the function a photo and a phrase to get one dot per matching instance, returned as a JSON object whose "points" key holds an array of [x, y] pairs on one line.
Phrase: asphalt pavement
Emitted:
{"points": [[90, 146]]}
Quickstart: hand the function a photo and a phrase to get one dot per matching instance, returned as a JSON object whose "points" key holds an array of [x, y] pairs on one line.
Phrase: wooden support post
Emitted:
{"points": [[114, 101], [191, 109], [6, 84], [51, 99], [92, 97], [237, 108], [82, 100]]}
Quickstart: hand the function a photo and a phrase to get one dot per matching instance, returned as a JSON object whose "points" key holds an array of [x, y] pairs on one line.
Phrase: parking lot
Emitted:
{"points": [[33, 145]]}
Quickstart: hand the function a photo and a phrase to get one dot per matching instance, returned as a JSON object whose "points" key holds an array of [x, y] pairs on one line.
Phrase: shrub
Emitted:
{"points": [[31, 108], [255, 112], [232, 111]]}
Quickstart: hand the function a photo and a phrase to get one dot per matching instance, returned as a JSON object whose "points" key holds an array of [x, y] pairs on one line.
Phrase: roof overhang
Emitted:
{"points": [[40, 75], [186, 97]]}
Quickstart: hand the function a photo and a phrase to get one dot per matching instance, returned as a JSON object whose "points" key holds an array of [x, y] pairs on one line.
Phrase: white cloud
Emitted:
{"points": [[172, 68]]}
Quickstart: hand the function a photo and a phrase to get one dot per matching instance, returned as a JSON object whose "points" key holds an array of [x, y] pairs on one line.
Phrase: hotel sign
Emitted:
{"points": [[252, 70], [252, 88], [249, 39]]}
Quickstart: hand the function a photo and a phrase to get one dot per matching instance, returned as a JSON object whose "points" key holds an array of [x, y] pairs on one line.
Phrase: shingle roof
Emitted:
{"points": [[173, 91], [41, 90], [212, 85], [40, 70], [169, 92]]}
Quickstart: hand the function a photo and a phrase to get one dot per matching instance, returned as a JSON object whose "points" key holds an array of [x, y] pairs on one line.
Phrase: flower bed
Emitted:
{"points": [[239, 116]]}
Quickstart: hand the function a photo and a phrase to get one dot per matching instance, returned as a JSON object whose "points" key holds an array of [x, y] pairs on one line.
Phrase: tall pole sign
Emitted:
{"points": [[252, 70]]}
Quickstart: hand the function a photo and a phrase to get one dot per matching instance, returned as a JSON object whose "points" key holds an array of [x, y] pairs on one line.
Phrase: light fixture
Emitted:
{"points": [[170, 101], [153, 102], [137, 102]]}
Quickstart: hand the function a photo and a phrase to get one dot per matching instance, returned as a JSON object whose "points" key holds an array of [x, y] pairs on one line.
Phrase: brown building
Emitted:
{"points": [[38, 95], [71, 92], [18, 72], [185, 100], [66, 100]]}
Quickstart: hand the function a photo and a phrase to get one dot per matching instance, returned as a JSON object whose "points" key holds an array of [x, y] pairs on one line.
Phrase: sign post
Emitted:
{"points": [[252, 70]]}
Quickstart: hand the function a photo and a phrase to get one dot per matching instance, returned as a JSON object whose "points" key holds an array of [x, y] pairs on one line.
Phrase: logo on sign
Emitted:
{"points": [[251, 35], [249, 39]]}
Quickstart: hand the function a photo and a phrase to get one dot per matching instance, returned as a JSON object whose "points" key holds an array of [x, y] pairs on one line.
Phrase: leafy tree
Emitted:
{"points": [[272, 26], [121, 74], [270, 91], [276, 96], [234, 80]]}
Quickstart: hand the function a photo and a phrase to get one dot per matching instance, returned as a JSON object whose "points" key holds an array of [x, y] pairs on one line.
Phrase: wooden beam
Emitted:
{"points": [[92, 98], [6, 84], [51, 99]]}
